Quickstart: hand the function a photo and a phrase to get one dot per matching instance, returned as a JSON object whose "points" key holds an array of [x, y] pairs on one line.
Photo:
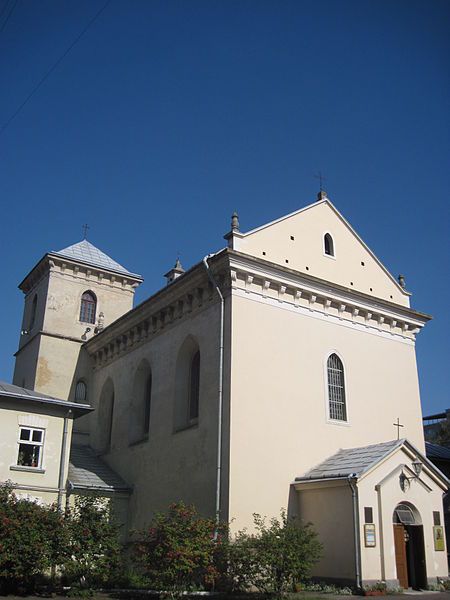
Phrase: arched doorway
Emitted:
{"points": [[409, 547]]}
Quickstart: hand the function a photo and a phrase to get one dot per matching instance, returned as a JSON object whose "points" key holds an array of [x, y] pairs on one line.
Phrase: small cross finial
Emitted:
{"points": [[321, 179], [398, 427], [85, 230]]}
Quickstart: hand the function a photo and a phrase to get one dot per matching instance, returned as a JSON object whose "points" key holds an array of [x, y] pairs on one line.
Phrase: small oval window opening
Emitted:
{"points": [[328, 245]]}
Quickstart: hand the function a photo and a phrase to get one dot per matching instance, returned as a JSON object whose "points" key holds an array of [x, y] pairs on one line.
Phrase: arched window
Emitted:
{"points": [[81, 392], [194, 387], [140, 404], [105, 416], [147, 404], [187, 385], [88, 307], [33, 313], [328, 245], [336, 389]]}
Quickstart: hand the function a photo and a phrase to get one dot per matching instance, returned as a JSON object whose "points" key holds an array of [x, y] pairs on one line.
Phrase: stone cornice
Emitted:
{"points": [[71, 268], [187, 295], [271, 281]]}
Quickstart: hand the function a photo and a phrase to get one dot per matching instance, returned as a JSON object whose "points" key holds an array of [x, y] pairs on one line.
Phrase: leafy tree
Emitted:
{"points": [[178, 551], [32, 541], [94, 547]]}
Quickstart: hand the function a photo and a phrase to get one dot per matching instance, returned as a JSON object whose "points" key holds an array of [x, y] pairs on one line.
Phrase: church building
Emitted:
{"points": [[279, 372]]}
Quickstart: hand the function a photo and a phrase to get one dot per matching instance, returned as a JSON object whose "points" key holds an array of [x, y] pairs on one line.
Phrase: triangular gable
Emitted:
{"points": [[296, 241]]}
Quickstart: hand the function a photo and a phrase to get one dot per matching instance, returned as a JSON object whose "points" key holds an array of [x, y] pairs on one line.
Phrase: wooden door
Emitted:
{"points": [[400, 555]]}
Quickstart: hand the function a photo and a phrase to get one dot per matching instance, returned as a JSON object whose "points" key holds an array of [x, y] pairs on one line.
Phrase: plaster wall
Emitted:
{"points": [[172, 464], [279, 426], [44, 484], [353, 266], [330, 511], [381, 490]]}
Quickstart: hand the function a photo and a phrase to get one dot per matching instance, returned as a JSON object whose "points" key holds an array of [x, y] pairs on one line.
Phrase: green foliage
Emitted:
{"points": [[178, 551], [275, 559], [32, 540], [94, 548], [442, 436]]}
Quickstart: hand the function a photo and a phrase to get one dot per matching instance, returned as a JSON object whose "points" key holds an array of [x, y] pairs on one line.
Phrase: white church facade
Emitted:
{"points": [[267, 376]]}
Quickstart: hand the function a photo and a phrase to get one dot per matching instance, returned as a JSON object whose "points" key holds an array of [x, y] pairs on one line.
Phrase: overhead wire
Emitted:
{"points": [[53, 67], [8, 16], [4, 8]]}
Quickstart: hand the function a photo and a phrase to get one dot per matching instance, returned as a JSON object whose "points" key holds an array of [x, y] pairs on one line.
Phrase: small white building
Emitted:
{"points": [[269, 375]]}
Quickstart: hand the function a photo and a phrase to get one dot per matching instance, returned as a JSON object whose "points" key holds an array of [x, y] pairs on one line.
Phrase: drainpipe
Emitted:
{"points": [[62, 460], [352, 478], [220, 391]]}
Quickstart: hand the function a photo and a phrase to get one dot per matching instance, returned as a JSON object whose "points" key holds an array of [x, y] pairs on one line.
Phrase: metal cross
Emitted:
{"points": [[321, 179], [398, 427], [85, 228]]}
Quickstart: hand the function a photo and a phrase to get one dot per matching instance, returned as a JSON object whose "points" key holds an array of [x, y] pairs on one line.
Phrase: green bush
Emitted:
{"points": [[33, 539], [93, 547], [178, 551], [275, 559]]}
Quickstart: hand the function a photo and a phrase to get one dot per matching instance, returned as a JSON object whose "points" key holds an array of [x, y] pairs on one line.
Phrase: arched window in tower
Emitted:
{"points": [[81, 392], [336, 389], [88, 307], [328, 245], [33, 313], [194, 387]]}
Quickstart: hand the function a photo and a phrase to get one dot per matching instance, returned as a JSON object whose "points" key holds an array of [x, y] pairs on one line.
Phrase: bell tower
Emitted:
{"points": [[70, 295]]}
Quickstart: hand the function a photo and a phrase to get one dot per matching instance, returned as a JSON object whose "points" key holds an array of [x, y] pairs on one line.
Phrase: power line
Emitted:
{"points": [[4, 8], [53, 67], [8, 16]]}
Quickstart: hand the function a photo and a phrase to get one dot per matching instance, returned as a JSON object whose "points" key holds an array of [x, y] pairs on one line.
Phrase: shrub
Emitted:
{"points": [[178, 551], [276, 558], [32, 541], [94, 547]]}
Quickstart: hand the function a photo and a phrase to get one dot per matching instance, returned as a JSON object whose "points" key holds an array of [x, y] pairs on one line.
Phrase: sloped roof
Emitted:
{"points": [[351, 461], [89, 472], [87, 253], [15, 392], [437, 452]]}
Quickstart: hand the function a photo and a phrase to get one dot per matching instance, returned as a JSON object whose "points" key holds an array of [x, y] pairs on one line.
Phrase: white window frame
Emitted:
{"points": [[329, 420], [332, 256], [30, 442]]}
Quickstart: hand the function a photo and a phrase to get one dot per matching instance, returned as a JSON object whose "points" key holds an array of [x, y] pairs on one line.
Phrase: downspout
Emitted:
{"points": [[352, 483], [62, 460], [220, 392]]}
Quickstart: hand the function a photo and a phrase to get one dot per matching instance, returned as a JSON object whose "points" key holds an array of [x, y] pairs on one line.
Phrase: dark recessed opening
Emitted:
{"points": [[264, 253], [371, 289], [390, 297], [292, 237], [362, 263], [351, 282], [307, 268], [287, 260]]}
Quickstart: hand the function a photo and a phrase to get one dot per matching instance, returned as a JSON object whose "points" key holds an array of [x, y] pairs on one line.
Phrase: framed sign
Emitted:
{"points": [[369, 535], [438, 534]]}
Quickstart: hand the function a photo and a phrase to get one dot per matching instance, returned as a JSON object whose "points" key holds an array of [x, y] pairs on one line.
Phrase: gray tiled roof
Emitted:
{"points": [[89, 472], [9, 390], [436, 451], [351, 460], [87, 253]]}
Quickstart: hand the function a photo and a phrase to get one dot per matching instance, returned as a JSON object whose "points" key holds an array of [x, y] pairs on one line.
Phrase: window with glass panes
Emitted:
{"points": [[87, 308], [336, 388], [31, 443]]}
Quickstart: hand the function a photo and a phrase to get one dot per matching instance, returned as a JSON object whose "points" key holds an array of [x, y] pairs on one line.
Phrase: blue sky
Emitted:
{"points": [[167, 116]]}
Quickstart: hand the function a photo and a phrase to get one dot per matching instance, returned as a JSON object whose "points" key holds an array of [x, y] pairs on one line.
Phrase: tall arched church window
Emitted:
{"points": [[147, 404], [33, 313], [328, 245], [194, 387], [81, 392], [88, 307], [336, 389]]}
